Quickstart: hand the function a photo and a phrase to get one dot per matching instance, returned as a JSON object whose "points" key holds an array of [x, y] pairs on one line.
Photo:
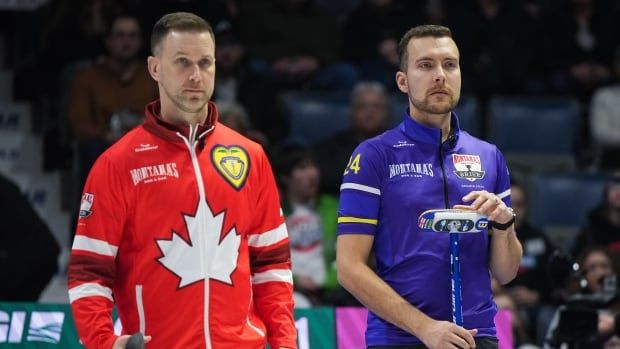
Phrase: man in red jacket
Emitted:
{"points": [[180, 224]]}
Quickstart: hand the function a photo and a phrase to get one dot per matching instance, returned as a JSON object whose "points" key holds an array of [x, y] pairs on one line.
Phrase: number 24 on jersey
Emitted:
{"points": [[353, 165]]}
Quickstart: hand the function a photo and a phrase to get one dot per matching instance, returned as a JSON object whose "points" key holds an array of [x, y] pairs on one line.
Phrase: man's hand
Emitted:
{"points": [[444, 334], [121, 342], [488, 204]]}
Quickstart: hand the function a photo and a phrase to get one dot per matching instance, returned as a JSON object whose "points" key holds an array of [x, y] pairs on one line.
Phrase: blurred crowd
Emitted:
{"points": [[82, 65]]}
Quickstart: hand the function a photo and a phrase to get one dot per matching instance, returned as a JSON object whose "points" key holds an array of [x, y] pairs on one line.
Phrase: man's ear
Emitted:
{"points": [[153, 65], [401, 82]]}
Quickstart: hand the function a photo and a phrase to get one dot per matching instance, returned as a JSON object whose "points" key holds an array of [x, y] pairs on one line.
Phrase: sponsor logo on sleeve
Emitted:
{"points": [[86, 205]]}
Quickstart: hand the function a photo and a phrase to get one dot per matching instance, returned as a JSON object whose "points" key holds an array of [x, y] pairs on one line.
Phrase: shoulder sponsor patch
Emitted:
{"points": [[468, 167], [232, 163], [85, 206]]}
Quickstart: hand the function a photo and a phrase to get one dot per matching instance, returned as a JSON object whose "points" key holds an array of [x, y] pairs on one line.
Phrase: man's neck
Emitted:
{"points": [[440, 121], [178, 117]]}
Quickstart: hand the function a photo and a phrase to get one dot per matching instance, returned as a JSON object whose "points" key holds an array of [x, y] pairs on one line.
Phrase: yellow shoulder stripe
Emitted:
{"points": [[357, 220]]}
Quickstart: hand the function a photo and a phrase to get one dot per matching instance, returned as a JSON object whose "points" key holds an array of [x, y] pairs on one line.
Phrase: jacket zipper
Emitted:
{"points": [[191, 143], [443, 173], [140, 306]]}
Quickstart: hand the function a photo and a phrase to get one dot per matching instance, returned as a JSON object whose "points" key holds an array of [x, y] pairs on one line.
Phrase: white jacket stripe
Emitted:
{"points": [[277, 275], [89, 290], [504, 194], [269, 237], [360, 187], [101, 247]]}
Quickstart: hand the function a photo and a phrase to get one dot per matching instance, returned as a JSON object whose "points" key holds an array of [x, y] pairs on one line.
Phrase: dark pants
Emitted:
{"points": [[481, 343]]}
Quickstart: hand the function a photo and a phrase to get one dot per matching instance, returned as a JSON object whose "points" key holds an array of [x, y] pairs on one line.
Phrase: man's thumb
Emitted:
{"points": [[121, 342]]}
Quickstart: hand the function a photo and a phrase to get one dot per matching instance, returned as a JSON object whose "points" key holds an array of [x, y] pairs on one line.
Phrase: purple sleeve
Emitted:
{"points": [[360, 192], [502, 187]]}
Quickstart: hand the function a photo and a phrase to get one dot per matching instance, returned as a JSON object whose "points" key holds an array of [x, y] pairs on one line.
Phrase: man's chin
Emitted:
{"points": [[441, 108]]}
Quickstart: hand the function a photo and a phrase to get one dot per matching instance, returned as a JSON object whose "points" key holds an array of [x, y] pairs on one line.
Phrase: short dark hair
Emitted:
{"points": [[421, 31], [178, 21]]}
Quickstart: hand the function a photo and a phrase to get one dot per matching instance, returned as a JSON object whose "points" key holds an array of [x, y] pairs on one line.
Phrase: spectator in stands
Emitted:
{"points": [[28, 250], [295, 45], [604, 221], [369, 117], [531, 289], [605, 120], [235, 82], [311, 223], [108, 98]]}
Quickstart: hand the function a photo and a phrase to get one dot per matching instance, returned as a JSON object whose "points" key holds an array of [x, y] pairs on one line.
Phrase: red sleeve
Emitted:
{"points": [[270, 260], [92, 268]]}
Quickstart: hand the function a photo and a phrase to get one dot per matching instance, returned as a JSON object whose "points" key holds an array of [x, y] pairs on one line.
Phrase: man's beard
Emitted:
{"points": [[434, 108]]}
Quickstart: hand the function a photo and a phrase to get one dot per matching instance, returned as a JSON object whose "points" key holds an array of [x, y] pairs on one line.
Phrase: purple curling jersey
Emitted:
{"points": [[389, 181]]}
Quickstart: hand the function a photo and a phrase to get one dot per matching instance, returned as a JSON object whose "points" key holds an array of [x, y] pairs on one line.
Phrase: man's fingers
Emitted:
{"points": [[459, 342], [467, 335], [495, 213], [121, 342], [147, 339], [487, 207], [463, 207], [478, 202], [472, 195]]}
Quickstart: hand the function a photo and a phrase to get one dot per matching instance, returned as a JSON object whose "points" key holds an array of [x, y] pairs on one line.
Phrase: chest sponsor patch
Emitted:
{"points": [[410, 169], [468, 167], [154, 173], [232, 163]]}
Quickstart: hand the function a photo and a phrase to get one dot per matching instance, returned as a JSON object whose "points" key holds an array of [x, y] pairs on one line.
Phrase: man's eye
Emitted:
{"points": [[206, 62]]}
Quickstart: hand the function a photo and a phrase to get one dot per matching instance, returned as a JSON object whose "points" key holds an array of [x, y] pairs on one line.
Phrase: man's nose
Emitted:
{"points": [[440, 75], [195, 75]]}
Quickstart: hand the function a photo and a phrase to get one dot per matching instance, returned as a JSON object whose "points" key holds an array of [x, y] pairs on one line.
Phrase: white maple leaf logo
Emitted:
{"points": [[204, 255]]}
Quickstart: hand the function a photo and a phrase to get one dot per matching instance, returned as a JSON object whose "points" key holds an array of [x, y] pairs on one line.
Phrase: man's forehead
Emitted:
{"points": [[432, 47], [186, 41]]}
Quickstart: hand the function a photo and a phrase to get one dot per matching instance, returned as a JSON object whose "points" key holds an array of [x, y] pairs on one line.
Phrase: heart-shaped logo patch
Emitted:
{"points": [[232, 163]]}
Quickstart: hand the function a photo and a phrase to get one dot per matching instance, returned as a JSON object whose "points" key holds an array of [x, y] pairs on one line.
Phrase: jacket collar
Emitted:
{"points": [[424, 134], [154, 123]]}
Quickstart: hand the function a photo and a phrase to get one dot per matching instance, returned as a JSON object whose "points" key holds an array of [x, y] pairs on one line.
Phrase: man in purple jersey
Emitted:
{"points": [[426, 162]]}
